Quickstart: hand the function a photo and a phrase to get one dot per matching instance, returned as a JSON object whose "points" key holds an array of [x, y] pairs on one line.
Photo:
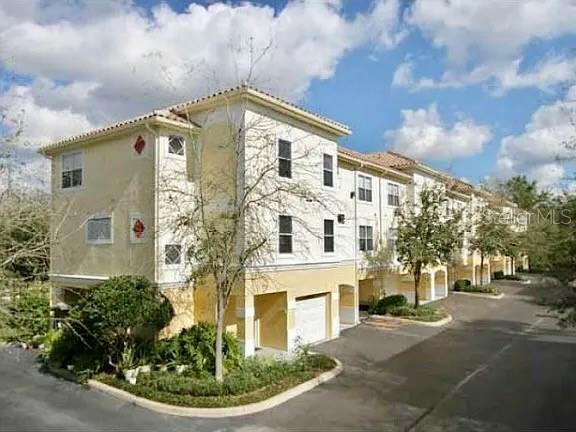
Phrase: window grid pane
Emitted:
{"points": [[176, 145], [285, 234], [172, 254], [71, 170]]}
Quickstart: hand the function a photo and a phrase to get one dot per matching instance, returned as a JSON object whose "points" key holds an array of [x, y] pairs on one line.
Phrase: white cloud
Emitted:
{"points": [[484, 41], [540, 151], [96, 62], [545, 75], [28, 125], [424, 135]]}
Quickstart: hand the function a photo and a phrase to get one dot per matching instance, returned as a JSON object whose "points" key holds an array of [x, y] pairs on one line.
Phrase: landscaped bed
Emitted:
{"points": [[397, 306], [254, 381], [465, 286]]}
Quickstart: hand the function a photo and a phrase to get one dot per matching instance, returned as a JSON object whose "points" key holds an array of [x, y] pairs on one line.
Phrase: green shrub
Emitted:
{"points": [[254, 379], [422, 313], [196, 347], [389, 302], [28, 315], [483, 289], [110, 319], [498, 274], [512, 277], [461, 284]]}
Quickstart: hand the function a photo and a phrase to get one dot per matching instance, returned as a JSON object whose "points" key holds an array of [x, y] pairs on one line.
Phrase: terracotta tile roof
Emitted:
{"points": [[460, 186], [392, 159], [366, 157], [162, 114]]}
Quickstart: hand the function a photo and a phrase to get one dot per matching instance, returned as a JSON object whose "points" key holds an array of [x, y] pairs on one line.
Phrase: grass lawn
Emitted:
{"points": [[256, 380]]}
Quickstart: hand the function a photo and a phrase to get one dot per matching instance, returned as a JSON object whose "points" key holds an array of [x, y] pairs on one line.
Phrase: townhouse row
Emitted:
{"points": [[118, 192]]}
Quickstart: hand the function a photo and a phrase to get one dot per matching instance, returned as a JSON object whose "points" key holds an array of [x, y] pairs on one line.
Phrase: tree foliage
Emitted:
{"points": [[24, 233], [109, 319], [427, 235]]}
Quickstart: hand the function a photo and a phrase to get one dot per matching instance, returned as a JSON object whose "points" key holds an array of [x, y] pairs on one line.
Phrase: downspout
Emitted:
{"points": [[156, 201]]}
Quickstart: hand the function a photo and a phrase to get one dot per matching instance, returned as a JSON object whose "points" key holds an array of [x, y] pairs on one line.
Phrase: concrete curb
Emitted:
{"points": [[439, 323], [481, 295], [218, 412]]}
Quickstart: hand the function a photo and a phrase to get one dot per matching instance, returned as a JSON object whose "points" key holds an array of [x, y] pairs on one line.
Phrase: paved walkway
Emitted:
{"points": [[502, 365]]}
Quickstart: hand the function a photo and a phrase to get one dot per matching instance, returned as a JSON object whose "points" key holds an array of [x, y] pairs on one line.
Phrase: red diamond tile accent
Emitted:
{"points": [[139, 145]]}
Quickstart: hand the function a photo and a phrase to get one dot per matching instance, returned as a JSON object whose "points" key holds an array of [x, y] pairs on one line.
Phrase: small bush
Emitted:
{"points": [[109, 320], [461, 284], [512, 277], [483, 289], [28, 316], [498, 275], [196, 347], [388, 302], [422, 313]]}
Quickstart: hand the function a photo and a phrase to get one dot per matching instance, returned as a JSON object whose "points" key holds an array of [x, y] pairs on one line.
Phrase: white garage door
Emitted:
{"points": [[311, 319]]}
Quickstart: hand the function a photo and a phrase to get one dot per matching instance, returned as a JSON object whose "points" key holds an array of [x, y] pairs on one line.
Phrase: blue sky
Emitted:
{"points": [[477, 89]]}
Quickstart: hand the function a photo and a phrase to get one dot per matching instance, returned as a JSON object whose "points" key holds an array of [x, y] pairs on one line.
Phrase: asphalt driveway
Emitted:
{"points": [[500, 366]]}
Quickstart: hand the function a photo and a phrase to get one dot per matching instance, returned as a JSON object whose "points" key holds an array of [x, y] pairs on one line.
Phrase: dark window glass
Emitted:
{"points": [[285, 158], [328, 235], [285, 234]]}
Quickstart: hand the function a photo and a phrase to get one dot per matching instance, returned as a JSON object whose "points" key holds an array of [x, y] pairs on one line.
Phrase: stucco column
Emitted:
{"points": [[291, 324], [335, 313], [245, 320]]}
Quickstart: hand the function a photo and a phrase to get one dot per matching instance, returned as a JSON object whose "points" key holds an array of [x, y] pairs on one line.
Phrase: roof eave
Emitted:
{"points": [[52, 149]]}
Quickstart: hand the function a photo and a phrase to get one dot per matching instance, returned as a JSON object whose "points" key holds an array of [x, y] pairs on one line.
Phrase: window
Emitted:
{"points": [[99, 230], [172, 254], [328, 170], [176, 145], [393, 195], [364, 188], [391, 239], [285, 234], [284, 158], [71, 170], [328, 235], [366, 239]]}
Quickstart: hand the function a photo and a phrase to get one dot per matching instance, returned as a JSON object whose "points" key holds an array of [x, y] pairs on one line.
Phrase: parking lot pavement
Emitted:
{"points": [[501, 365]]}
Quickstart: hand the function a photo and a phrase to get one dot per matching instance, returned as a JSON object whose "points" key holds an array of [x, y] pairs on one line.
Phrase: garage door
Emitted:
{"points": [[311, 318]]}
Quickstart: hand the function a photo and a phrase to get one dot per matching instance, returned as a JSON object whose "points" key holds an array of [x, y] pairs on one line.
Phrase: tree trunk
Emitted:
{"points": [[219, 337], [481, 269], [417, 274]]}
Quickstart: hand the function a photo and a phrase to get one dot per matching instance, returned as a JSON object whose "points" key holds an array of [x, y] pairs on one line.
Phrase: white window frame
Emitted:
{"points": [[392, 186], [82, 181], [176, 155], [290, 159], [101, 241], [326, 170], [365, 237], [363, 181], [391, 238], [286, 234]]}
